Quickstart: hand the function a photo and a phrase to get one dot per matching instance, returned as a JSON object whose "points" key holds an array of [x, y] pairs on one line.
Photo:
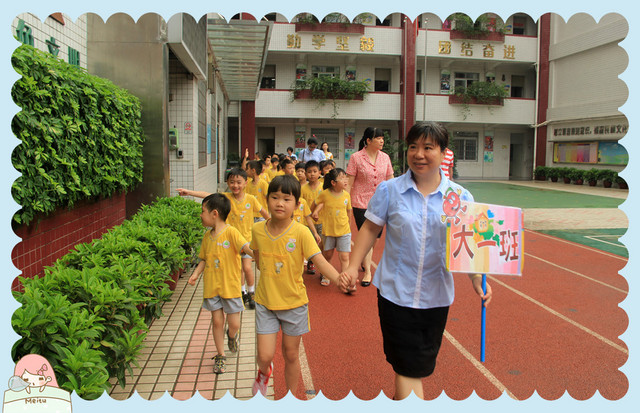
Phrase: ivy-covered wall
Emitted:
{"points": [[81, 135]]}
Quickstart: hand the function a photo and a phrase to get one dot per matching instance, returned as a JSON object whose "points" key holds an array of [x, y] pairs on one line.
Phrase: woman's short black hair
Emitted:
{"points": [[312, 141], [331, 176], [436, 130], [286, 184], [218, 202]]}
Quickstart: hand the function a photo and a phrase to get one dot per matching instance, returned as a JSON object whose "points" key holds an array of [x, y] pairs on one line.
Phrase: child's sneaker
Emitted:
{"points": [[324, 281], [245, 298], [218, 364], [311, 269], [251, 304], [261, 382], [232, 342]]}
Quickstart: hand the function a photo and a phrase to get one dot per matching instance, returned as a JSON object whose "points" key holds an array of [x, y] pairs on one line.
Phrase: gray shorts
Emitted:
{"points": [[258, 219], [243, 256], [228, 305], [342, 244], [294, 322]]}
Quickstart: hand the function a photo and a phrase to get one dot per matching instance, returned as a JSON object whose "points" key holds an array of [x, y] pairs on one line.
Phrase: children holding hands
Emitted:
{"points": [[334, 205], [280, 246]]}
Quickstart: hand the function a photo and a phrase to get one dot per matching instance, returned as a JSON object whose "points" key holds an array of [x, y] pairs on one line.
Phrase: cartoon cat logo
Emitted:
{"points": [[34, 388]]}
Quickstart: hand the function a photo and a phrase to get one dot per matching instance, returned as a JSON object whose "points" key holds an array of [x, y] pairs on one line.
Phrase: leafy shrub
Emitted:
{"points": [[591, 174], [541, 172], [81, 135], [88, 314]]}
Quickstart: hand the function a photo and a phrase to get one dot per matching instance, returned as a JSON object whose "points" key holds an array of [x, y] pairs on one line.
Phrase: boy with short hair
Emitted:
{"points": [[309, 192], [220, 264], [257, 186], [301, 173], [287, 167], [244, 207]]}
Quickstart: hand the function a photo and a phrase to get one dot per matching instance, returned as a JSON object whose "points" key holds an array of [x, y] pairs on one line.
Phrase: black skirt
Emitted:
{"points": [[411, 337]]}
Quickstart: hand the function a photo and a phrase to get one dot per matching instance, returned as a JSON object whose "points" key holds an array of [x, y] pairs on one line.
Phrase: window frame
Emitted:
{"points": [[463, 138]]}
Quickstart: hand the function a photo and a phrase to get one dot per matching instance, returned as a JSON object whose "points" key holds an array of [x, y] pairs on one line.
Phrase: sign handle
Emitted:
{"points": [[483, 327]]}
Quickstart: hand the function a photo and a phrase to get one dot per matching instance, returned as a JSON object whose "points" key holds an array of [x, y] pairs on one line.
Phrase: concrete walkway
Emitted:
{"points": [[179, 346], [178, 352]]}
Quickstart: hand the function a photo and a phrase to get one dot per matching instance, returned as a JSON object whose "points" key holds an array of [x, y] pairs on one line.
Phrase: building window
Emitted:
{"points": [[202, 127], [321, 71], [517, 86], [268, 77], [464, 80], [329, 135], [419, 81], [519, 24], [383, 79], [466, 146]]}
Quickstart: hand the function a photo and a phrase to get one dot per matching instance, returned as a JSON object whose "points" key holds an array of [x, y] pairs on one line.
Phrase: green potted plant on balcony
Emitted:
{"points": [[332, 23], [478, 93], [607, 176], [323, 88], [484, 28], [591, 176], [541, 173]]}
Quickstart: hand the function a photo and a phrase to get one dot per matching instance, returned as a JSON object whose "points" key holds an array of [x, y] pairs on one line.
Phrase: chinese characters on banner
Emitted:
{"points": [[467, 49], [319, 41], [483, 238]]}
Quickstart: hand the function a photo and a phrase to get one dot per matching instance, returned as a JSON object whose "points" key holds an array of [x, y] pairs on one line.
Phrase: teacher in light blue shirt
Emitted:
{"points": [[415, 289], [312, 152]]}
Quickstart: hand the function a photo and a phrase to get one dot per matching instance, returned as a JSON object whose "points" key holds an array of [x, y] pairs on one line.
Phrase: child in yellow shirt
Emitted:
{"points": [[309, 192], [334, 203], [257, 186], [220, 264], [244, 207], [280, 246], [301, 173]]}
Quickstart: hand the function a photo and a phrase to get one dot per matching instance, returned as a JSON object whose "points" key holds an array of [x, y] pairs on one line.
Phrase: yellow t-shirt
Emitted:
{"points": [[310, 195], [223, 269], [243, 212], [301, 212], [281, 263], [335, 220], [265, 177], [272, 173], [258, 190]]}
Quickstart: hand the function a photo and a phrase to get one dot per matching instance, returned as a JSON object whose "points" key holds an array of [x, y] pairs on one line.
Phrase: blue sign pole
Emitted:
{"points": [[483, 327]]}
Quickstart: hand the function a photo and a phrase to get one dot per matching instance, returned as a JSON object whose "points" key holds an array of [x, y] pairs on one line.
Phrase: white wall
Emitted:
{"points": [[72, 33]]}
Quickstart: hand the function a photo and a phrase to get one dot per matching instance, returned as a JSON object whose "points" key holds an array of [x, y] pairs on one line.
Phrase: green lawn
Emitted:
{"points": [[525, 197], [602, 239]]}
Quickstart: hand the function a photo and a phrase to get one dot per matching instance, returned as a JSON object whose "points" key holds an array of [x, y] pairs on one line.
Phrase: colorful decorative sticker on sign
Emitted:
{"points": [[483, 238]]}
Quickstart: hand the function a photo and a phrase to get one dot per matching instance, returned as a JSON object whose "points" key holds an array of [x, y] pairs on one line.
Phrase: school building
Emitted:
{"points": [[212, 86]]}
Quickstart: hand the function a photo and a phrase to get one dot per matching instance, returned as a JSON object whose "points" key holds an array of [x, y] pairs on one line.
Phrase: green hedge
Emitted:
{"points": [[88, 314], [81, 135]]}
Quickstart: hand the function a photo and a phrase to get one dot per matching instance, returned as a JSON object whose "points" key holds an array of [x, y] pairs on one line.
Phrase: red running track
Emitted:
{"points": [[553, 330]]}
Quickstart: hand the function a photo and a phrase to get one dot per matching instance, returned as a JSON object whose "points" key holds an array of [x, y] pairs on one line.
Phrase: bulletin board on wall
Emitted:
{"points": [[603, 153]]}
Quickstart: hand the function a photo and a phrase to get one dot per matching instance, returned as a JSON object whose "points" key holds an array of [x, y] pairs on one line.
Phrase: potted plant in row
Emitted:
{"points": [[541, 173], [622, 184], [553, 174], [577, 176], [607, 176], [591, 176]]}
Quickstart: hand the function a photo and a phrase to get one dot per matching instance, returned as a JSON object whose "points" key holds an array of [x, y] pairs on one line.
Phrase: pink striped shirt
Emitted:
{"points": [[367, 176], [447, 162]]}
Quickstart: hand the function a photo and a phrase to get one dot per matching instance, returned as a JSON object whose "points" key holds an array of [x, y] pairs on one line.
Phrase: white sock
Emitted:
{"points": [[252, 288]]}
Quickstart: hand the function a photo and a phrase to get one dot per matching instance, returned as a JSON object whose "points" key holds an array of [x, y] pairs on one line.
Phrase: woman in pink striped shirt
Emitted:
{"points": [[367, 168]]}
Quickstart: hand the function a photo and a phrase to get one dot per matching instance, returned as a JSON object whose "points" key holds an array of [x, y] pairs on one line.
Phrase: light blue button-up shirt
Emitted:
{"points": [[306, 155], [412, 272]]}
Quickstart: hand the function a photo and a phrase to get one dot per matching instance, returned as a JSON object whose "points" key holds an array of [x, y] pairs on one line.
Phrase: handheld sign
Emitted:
{"points": [[483, 239]]}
